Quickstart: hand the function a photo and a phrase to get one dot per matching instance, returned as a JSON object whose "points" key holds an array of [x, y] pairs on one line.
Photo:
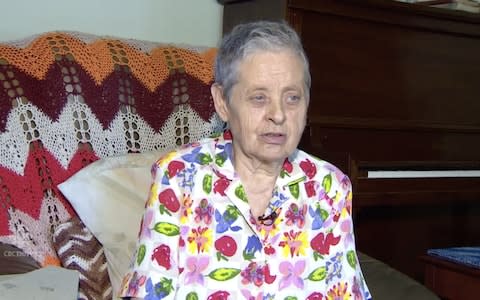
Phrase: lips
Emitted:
{"points": [[274, 138]]}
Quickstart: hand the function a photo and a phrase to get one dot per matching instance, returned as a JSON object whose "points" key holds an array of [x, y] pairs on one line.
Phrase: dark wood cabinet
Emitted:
{"points": [[395, 86]]}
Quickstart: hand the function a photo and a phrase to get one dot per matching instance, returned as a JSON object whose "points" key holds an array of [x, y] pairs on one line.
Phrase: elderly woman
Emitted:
{"points": [[244, 214]]}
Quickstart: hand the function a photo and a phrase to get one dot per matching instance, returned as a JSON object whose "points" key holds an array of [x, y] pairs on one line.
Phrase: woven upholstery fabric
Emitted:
{"points": [[79, 250], [68, 99]]}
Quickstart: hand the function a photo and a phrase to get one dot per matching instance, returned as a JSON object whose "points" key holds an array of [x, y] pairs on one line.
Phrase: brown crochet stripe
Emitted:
{"points": [[79, 250]]}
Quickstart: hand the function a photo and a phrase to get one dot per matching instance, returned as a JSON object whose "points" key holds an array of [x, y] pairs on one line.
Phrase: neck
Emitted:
{"points": [[258, 180]]}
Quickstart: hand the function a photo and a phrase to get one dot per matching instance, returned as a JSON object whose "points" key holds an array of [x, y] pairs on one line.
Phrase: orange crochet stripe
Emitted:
{"points": [[152, 69]]}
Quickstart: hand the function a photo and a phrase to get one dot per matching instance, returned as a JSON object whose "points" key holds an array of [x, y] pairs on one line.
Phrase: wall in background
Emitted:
{"points": [[177, 21]]}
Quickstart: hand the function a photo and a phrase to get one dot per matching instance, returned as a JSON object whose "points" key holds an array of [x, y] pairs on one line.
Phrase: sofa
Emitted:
{"points": [[82, 119]]}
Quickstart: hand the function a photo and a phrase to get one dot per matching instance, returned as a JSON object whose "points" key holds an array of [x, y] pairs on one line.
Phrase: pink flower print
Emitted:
{"points": [[135, 283], [308, 168], [296, 215], [253, 274], [146, 230], [204, 212], [291, 274], [257, 274], [248, 295], [195, 266], [346, 226]]}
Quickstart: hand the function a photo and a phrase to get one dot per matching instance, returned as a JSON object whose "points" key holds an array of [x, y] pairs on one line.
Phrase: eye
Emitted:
{"points": [[293, 98], [258, 98]]}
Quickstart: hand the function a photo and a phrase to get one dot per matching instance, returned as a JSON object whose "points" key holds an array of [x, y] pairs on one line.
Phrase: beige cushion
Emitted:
{"points": [[109, 197]]}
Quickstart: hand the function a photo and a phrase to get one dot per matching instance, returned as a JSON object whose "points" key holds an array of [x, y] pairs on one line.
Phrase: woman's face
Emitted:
{"points": [[268, 106]]}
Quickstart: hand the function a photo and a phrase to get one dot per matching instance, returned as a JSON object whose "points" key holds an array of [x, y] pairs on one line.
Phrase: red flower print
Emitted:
{"points": [[322, 243], [287, 166], [310, 188], [226, 245], [308, 168], [227, 135], [221, 185], [174, 167], [162, 255], [169, 199], [269, 250], [269, 278], [220, 295], [315, 296]]}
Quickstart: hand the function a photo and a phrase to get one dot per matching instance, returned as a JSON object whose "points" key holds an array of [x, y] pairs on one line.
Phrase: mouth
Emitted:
{"points": [[275, 138]]}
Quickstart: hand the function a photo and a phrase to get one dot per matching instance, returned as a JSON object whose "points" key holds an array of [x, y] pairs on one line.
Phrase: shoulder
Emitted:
{"points": [[318, 169], [189, 153]]}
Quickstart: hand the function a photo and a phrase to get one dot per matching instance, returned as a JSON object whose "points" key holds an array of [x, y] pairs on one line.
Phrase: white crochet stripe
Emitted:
{"points": [[60, 137], [29, 234], [83, 263]]}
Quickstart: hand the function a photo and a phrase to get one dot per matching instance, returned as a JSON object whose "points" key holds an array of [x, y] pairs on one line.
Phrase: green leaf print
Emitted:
{"points": [[141, 254], [223, 274], [167, 229], [240, 193], [323, 214], [231, 213], [163, 210], [327, 183], [204, 159], [192, 296], [351, 258], [290, 298], [318, 274], [207, 183], [294, 190], [219, 160]]}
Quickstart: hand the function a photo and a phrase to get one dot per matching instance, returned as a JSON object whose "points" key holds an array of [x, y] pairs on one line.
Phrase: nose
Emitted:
{"points": [[276, 112]]}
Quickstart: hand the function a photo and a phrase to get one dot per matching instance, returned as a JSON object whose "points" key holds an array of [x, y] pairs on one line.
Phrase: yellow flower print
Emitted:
{"points": [[339, 292], [338, 196], [349, 196], [270, 230], [186, 209], [153, 194], [199, 240], [294, 243], [166, 159]]}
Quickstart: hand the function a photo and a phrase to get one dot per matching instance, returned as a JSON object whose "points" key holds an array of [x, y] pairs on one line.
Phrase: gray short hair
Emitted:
{"points": [[247, 38]]}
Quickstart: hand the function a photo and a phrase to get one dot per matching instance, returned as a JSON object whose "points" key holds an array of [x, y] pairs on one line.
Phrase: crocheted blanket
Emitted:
{"points": [[68, 99]]}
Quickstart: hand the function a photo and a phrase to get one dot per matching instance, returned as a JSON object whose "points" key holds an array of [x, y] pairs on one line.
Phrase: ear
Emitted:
{"points": [[219, 101]]}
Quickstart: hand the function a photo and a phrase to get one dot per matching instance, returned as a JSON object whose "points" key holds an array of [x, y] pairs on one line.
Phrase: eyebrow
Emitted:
{"points": [[284, 90]]}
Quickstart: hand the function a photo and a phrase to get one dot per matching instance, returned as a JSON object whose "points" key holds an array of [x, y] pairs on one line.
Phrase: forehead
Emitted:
{"points": [[268, 64]]}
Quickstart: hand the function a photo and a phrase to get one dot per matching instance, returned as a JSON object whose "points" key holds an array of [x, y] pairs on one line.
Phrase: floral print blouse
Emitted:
{"points": [[198, 239]]}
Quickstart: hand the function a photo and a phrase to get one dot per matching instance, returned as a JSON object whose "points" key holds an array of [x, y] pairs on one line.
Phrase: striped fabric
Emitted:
{"points": [[79, 250]]}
